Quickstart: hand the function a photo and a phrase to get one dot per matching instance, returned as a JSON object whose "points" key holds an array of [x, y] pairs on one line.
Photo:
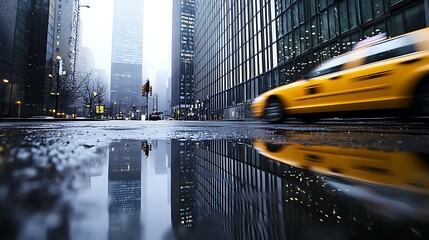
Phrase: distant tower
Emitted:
{"points": [[182, 76], [126, 67]]}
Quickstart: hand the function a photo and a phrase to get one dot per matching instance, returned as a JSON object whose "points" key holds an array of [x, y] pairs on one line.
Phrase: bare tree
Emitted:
{"points": [[65, 85], [93, 91]]}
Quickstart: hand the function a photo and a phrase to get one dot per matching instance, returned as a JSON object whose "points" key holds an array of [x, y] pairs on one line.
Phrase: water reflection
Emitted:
{"points": [[125, 160], [397, 169], [215, 189], [260, 190], [138, 190]]}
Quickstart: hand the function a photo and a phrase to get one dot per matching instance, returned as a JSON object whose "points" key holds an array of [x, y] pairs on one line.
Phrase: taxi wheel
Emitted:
{"points": [[421, 104], [274, 112]]}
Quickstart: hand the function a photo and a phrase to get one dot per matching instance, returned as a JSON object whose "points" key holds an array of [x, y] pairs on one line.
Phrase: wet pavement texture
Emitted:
{"points": [[213, 180]]}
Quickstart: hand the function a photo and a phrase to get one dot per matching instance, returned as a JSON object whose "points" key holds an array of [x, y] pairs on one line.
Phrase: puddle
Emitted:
{"points": [[211, 189]]}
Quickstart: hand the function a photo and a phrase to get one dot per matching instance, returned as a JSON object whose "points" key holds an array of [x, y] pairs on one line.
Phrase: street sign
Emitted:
{"points": [[99, 109]]}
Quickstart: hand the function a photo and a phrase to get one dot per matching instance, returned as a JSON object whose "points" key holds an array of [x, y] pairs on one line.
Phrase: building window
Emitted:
{"points": [[409, 20], [366, 11], [378, 7]]}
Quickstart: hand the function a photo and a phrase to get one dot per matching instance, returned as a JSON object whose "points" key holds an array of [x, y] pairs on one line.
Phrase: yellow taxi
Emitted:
{"points": [[389, 75]]}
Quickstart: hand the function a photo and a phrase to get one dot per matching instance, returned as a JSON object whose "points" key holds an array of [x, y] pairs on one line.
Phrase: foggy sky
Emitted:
{"points": [[97, 35]]}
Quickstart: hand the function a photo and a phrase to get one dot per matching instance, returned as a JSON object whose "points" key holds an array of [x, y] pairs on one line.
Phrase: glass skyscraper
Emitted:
{"points": [[26, 45], [126, 67], [182, 97], [244, 48]]}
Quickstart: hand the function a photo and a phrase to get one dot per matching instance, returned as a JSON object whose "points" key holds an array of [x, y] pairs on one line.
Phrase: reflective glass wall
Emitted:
{"points": [[26, 41], [234, 50]]}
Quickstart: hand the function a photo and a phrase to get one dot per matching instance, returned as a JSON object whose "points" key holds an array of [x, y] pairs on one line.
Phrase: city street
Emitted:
{"points": [[214, 120], [341, 179]]}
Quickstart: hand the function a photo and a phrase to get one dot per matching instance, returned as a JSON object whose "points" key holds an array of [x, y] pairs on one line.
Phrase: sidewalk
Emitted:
{"points": [[49, 119]]}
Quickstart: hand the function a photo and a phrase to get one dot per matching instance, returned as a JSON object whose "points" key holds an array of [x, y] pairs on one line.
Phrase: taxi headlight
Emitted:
{"points": [[258, 100]]}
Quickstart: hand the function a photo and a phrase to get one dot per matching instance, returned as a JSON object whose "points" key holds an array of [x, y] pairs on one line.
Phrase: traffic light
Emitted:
{"points": [[150, 90], [146, 148], [146, 151], [143, 89], [147, 86]]}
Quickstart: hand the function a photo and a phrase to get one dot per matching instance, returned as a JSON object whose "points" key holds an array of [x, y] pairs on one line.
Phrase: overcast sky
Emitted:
{"points": [[97, 34]]}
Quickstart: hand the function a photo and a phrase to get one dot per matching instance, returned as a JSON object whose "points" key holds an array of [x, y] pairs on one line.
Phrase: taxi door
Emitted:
{"points": [[326, 88], [371, 84]]}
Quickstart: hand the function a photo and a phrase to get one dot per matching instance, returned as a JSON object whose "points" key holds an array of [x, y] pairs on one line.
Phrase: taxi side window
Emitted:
{"points": [[331, 66], [391, 49]]}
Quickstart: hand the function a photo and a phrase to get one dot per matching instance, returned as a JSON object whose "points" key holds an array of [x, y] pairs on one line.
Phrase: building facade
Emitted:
{"points": [[26, 45], [182, 80], [244, 48], [126, 67], [66, 32]]}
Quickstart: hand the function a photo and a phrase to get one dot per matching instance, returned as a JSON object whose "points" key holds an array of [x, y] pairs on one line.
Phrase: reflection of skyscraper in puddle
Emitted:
{"points": [[182, 186], [219, 192], [125, 190]]}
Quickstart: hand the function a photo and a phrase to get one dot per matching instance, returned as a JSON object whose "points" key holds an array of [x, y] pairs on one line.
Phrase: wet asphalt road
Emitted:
{"points": [[354, 179], [364, 133]]}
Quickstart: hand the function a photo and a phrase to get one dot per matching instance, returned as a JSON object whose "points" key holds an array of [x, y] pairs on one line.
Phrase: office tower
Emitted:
{"points": [[182, 80], [126, 70], [26, 45], [244, 48], [67, 45], [66, 33], [86, 60]]}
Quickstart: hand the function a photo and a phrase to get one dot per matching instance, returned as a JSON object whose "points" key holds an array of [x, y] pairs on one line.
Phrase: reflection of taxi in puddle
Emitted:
{"points": [[404, 170]]}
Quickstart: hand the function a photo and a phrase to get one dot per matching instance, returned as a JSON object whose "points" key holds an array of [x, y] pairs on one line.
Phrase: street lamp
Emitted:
{"points": [[7, 81], [57, 91], [19, 108], [92, 103], [197, 106]]}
